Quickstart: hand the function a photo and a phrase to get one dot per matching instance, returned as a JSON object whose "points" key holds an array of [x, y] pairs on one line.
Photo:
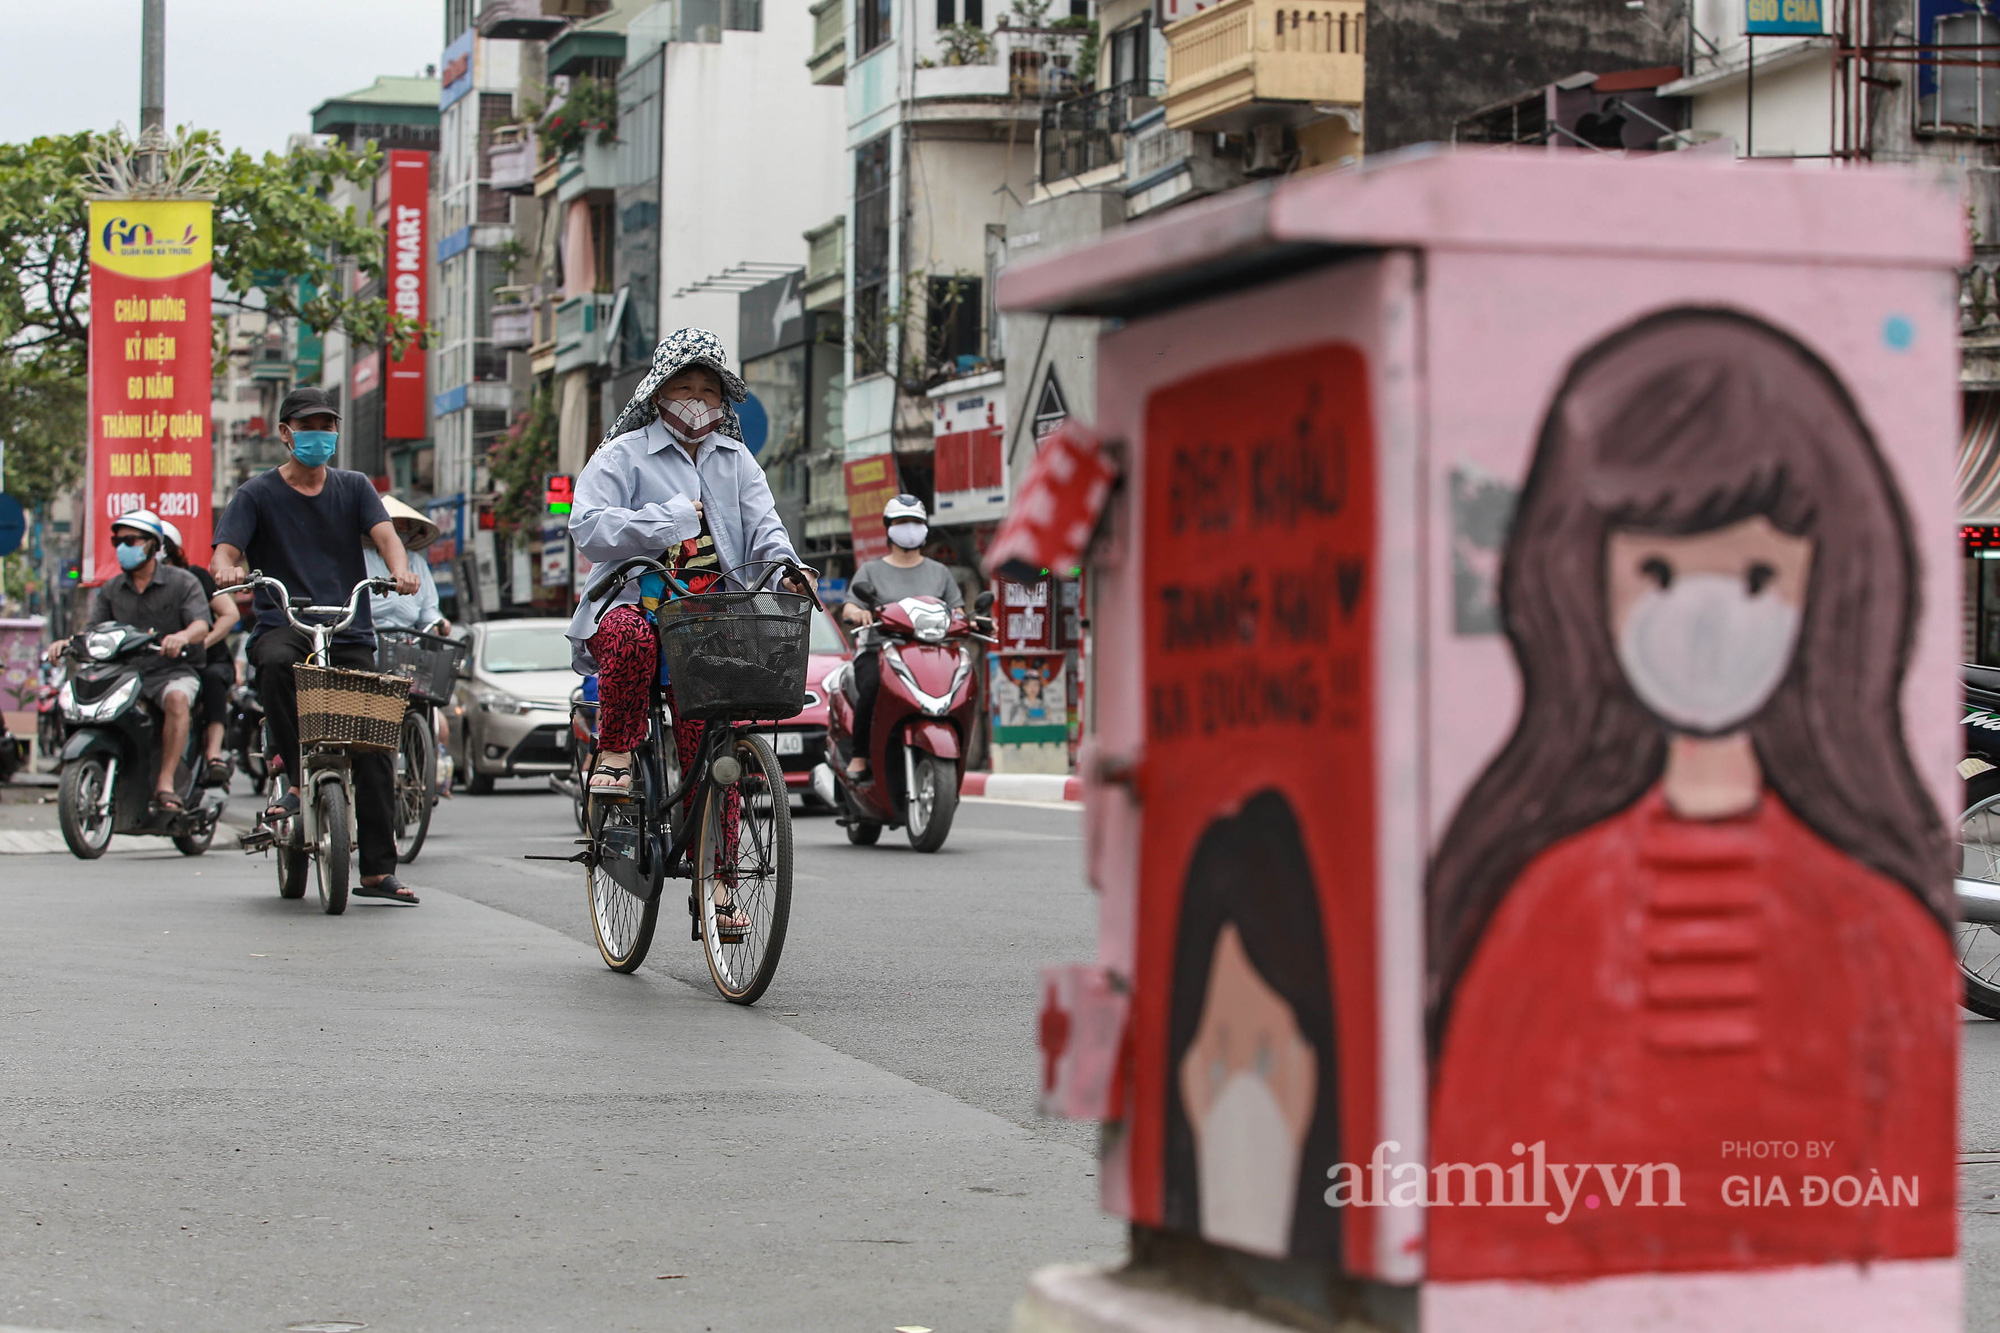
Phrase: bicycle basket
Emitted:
{"points": [[430, 662], [737, 656], [358, 709]]}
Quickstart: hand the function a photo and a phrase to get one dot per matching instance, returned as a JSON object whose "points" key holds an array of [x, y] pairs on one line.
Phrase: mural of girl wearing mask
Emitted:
{"points": [[1696, 902], [1252, 1120]]}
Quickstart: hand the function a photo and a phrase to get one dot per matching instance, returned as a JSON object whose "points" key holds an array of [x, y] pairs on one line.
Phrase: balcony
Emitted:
{"points": [[528, 20], [1246, 62], [580, 330], [513, 319], [586, 170], [828, 62], [826, 265], [1084, 134], [510, 160], [1025, 65]]}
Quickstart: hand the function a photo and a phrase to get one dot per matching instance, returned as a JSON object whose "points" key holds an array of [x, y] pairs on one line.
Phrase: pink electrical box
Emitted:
{"points": [[1523, 727]]}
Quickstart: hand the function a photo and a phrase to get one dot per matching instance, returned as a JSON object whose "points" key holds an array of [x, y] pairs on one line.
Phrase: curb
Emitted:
{"points": [[1049, 788]]}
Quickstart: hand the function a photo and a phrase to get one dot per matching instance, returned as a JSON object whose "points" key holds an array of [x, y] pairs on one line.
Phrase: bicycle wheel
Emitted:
{"points": [[416, 778], [335, 861], [1979, 858], [756, 872], [625, 901]]}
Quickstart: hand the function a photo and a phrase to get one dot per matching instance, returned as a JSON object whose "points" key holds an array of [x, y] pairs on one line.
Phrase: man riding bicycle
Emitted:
{"points": [[300, 523], [673, 481]]}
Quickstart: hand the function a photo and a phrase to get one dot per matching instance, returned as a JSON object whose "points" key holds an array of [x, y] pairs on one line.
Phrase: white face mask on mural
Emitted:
{"points": [[1248, 1167], [691, 418], [1705, 653], [909, 536]]}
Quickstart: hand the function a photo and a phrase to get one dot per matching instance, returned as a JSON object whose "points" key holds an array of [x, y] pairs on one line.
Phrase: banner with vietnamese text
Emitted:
{"points": [[149, 372]]}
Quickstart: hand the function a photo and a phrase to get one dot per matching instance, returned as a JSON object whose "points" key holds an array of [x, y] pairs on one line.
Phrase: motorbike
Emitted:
{"points": [[1978, 879], [111, 751], [243, 735], [924, 713], [49, 713]]}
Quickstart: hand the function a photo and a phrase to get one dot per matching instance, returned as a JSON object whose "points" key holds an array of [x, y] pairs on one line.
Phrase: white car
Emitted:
{"points": [[510, 712]]}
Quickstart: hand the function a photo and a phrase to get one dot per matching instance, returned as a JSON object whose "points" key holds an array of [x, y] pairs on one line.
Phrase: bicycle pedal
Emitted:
{"points": [[257, 840]]}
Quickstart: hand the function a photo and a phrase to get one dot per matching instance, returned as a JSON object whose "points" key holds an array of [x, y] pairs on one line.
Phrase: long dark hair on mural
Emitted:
{"points": [[1251, 871], [1687, 421]]}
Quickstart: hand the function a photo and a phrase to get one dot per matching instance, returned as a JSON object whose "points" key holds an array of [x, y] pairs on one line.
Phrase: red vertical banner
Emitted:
{"points": [[406, 405], [871, 484], [149, 372]]}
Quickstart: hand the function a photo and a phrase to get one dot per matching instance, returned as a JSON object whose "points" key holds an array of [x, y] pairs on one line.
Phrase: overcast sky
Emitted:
{"points": [[251, 69]]}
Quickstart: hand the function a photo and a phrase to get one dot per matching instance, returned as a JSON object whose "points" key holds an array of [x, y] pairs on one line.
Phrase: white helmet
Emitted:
{"points": [[903, 509], [143, 520], [172, 533]]}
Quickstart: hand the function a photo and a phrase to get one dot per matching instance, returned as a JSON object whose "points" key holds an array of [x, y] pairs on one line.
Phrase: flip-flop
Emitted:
{"points": [[391, 890]]}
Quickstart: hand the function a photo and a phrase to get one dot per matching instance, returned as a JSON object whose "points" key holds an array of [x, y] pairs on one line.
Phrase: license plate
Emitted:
{"points": [[791, 742]]}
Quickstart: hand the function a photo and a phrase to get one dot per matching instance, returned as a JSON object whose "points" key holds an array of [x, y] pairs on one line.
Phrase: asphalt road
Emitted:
{"points": [[224, 1111]]}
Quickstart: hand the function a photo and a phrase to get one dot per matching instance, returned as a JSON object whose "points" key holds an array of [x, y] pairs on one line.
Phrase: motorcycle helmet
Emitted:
{"points": [[904, 509], [144, 520]]}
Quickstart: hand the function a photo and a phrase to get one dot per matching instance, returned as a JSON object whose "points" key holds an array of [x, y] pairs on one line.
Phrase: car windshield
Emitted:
{"points": [[826, 638], [525, 648]]}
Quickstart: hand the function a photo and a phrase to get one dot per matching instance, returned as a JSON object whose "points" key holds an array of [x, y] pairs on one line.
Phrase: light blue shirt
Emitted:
{"points": [[636, 497], [395, 611]]}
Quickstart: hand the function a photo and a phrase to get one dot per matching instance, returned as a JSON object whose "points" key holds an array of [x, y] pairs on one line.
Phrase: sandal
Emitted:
{"points": [[617, 782], [390, 889], [726, 917], [217, 773], [281, 809], [168, 803]]}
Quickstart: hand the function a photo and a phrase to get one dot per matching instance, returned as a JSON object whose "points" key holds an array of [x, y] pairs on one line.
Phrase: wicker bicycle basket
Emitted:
{"points": [[430, 661], [737, 656], [358, 709]]}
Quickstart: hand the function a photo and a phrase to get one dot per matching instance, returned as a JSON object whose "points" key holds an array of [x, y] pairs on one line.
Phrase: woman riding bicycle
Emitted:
{"points": [[673, 481]]}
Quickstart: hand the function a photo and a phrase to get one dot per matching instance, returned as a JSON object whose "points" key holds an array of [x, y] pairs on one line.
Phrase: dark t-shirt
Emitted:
{"points": [[309, 543], [172, 601]]}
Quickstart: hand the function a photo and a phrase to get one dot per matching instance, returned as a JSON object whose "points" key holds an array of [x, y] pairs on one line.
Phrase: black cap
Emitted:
{"points": [[307, 402]]}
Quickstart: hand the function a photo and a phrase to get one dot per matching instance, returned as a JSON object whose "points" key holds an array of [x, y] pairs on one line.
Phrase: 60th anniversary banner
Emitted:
{"points": [[149, 372]]}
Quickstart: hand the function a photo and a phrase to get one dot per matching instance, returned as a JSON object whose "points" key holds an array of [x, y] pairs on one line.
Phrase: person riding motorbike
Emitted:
{"points": [[150, 594], [218, 667], [421, 612], [905, 572], [673, 481], [301, 523]]}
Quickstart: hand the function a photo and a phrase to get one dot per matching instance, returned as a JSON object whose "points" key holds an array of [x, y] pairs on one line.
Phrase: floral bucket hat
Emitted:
{"points": [[676, 352]]}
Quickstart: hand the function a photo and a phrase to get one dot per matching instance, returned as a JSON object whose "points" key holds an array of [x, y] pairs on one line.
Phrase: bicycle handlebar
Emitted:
{"points": [[347, 613], [606, 589]]}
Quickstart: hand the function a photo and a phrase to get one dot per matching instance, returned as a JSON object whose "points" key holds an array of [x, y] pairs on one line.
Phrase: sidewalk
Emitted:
{"points": [[1044, 788]]}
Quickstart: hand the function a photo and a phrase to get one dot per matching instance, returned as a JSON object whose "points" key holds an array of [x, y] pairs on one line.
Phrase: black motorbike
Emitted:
{"points": [[243, 735], [111, 751]]}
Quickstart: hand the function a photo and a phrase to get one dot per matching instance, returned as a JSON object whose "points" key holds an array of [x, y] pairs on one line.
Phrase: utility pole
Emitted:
{"points": [[152, 89]]}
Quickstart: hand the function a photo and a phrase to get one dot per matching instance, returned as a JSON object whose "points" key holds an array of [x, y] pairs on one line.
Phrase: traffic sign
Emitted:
{"points": [[13, 524]]}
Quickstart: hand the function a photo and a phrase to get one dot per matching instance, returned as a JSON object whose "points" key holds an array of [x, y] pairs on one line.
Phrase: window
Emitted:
{"points": [[1128, 54], [953, 11], [872, 18], [743, 15], [953, 316], [871, 257]]}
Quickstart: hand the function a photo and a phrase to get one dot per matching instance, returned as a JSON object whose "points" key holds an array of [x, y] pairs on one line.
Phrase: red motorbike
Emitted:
{"points": [[923, 716]]}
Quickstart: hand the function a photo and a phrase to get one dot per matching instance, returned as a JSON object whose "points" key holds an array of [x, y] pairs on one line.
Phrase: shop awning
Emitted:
{"points": [[1979, 460]]}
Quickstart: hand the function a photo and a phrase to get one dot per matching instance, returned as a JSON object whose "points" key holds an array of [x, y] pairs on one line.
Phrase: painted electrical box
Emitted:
{"points": [[1524, 734]]}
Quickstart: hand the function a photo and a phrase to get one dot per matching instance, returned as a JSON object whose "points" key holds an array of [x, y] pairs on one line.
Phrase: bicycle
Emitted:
{"points": [[733, 657], [432, 663], [338, 711]]}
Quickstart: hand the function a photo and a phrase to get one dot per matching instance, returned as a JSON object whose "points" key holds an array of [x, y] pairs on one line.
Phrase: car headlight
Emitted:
{"points": [[494, 701]]}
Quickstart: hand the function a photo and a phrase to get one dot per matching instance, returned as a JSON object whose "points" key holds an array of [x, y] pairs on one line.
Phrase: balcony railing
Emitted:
{"points": [[580, 330], [828, 62], [510, 161], [1025, 64], [584, 170], [1082, 134], [513, 319], [1223, 62]]}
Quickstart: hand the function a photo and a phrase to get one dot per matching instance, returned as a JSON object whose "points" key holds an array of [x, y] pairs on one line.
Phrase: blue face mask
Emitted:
{"points": [[314, 447], [131, 557]]}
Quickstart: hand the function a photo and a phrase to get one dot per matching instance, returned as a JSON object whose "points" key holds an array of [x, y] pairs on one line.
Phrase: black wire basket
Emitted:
{"points": [[737, 656], [428, 661]]}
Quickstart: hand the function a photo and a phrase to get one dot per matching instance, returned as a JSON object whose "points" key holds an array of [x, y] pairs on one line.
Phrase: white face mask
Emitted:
{"points": [[1248, 1168], [1705, 653], [909, 536], [690, 418]]}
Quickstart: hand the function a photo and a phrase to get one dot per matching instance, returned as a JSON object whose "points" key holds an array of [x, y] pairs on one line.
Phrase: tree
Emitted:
{"points": [[273, 226]]}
